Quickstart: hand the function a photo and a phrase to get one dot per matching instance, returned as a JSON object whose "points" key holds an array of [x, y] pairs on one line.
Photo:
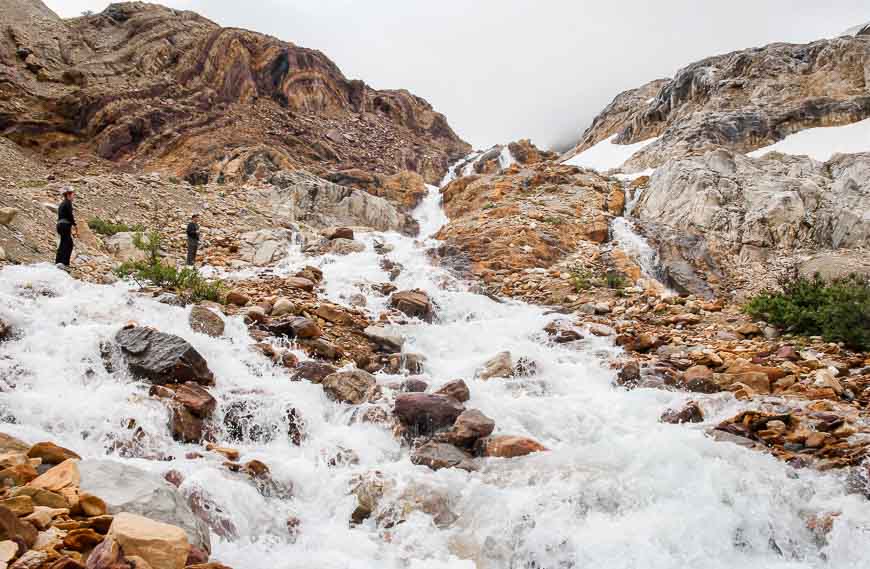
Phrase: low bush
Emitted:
{"points": [[152, 270], [110, 228], [838, 310]]}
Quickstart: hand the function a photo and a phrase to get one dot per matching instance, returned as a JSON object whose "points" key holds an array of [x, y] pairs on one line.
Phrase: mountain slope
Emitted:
{"points": [[170, 90]]}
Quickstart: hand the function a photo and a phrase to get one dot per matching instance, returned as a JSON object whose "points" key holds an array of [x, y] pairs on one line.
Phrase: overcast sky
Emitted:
{"points": [[507, 69]]}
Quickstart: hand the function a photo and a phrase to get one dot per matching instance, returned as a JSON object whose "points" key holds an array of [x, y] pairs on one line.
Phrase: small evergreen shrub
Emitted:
{"points": [[109, 228], [838, 311], [185, 281]]}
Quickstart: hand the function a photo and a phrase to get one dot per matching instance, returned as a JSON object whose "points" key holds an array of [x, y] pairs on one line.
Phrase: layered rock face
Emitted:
{"points": [[741, 100], [167, 89]]}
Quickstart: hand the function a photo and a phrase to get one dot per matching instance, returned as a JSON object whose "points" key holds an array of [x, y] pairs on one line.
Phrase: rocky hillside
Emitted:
{"points": [[741, 100], [144, 86]]}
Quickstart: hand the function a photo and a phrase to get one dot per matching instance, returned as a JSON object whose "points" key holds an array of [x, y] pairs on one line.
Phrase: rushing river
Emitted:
{"points": [[618, 489]]}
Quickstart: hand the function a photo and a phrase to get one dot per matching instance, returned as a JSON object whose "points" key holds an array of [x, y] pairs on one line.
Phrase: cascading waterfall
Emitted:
{"points": [[618, 489]]}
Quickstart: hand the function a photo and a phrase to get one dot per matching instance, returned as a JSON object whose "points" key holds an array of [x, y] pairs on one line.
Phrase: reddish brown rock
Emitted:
{"points": [[689, 413], [426, 413], [51, 453], [195, 399], [506, 446], [414, 303], [457, 389]]}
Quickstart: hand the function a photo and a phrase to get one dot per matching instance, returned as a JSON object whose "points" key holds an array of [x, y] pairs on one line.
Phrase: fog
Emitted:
{"points": [[508, 69]]}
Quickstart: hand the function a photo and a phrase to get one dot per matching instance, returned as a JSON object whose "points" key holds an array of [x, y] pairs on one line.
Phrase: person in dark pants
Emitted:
{"points": [[192, 239], [66, 228]]}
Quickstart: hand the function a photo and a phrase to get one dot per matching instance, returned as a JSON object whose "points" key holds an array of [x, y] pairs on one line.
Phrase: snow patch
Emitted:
{"points": [[823, 142], [606, 155]]}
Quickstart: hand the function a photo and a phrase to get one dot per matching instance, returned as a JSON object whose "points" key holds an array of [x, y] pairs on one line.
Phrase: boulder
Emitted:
{"points": [[437, 455], [384, 339], [264, 246], [312, 371], [300, 283], [161, 545], [295, 327], [340, 233], [414, 303], [51, 453], [162, 358], [501, 365], [283, 306], [353, 387], [126, 488], [13, 529], [237, 298], [206, 321], [689, 413], [470, 426], [457, 389], [345, 247], [426, 413], [184, 425], [506, 446]]}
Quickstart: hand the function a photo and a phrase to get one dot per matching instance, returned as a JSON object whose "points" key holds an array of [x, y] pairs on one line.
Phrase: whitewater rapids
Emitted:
{"points": [[618, 489]]}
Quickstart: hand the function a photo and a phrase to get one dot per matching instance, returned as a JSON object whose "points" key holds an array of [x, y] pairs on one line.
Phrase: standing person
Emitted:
{"points": [[66, 227], [192, 239]]}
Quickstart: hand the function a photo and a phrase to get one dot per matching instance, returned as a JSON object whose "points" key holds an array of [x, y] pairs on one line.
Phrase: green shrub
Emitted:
{"points": [[838, 311], [185, 281], [581, 277], [110, 228], [615, 280]]}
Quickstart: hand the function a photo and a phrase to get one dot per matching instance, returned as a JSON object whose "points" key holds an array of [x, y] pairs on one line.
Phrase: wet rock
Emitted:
{"points": [[5, 330], [368, 489], [295, 327], [311, 273], [315, 372], [255, 314], [689, 413], [407, 362], [629, 374], [184, 426], [161, 545], [345, 247], [322, 348], [501, 365], [414, 303], [699, 379], [470, 426], [162, 358], [353, 387], [126, 488], [507, 446], [437, 455], [51, 453], [384, 339], [457, 389], [426, 413], [414, 385], [205, 321], [245, 420], [195, 399]]}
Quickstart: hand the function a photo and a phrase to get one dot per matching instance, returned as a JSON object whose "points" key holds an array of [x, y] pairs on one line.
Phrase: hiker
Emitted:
{"points": [[192, 239], [66, 228]]}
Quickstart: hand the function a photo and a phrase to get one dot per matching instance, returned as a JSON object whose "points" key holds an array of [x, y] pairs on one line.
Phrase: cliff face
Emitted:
{"points": [[742, 100], [171, 90]]}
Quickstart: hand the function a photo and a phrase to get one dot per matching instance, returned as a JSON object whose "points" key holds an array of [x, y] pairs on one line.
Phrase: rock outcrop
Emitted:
{"points": [[742, 100], [172, 90]]}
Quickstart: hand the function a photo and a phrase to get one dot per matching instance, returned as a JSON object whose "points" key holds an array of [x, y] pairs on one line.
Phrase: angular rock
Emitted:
{"points": [[441, 455], [237, 298], [345, 247], [282, 307], [206, 321], [340, 233], [426, 413], [312, 371], [161, 545], [196, 399], [7, 214], [126, 488], [301, 283], [353, 387], [20, 505], [457, 389], [414, 303], [64, 475], [506, 446], [184, 425], [470, 426], [500, 366], [295, 327], [51, 453], [13, 529], [690, 413], [264, 246], [162, 358], [384, 339]]}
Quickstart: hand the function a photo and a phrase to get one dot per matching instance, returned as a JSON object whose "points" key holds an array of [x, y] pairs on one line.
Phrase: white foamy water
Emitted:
{"points": [[617, 490]]}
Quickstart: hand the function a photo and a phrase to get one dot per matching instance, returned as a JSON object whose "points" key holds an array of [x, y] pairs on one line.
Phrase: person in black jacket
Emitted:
{"points": [[192, 239], [66, 227]]}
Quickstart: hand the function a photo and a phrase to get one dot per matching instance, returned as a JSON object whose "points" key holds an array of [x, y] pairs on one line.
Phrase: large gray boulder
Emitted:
{"points": [[304, 198], [126, 488], [162, 358], [265, 246]]}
